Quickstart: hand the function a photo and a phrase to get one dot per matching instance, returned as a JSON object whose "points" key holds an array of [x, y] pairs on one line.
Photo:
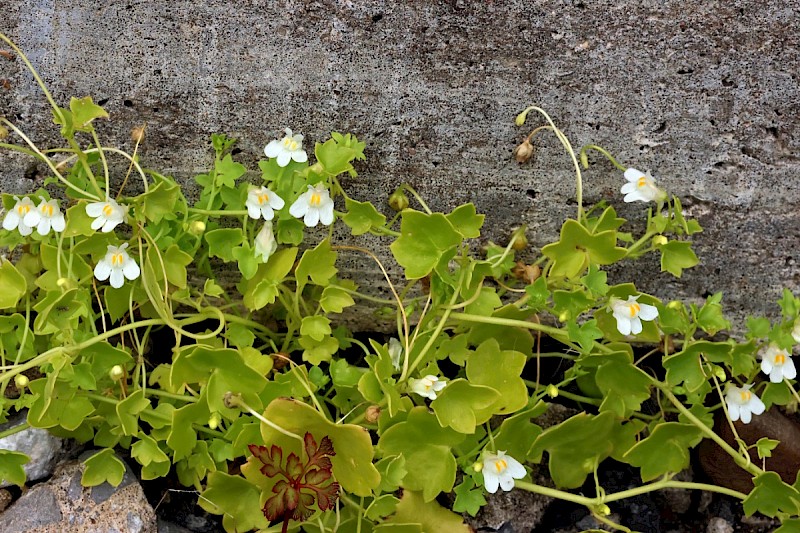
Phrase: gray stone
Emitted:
{"points": [[61, 504], [44, 449], [169, 527], [719, 525], [704, 94]]}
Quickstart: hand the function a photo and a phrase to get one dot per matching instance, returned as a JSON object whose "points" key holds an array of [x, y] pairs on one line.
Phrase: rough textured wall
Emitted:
{"points": [[704, 94]]}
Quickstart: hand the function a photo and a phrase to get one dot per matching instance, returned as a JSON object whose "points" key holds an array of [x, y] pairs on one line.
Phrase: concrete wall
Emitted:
{"points": [[703, 93]]}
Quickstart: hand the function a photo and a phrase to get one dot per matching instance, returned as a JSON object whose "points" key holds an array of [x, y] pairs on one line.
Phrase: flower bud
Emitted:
{"points": [[674, 304], [477, 466], [604, 510], [21, 381], [660, 240], [3, 133], [398, 200], [116, 372], [280, 360], [518, 240], [214, 420], [231, 400], [197, 227], [520, 120], [524, 151], [526, 273], [552, 390], [372, 414], [564, 316], [137, 134]]}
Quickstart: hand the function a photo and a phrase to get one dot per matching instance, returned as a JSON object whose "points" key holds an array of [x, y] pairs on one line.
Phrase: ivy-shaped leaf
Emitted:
{"points": [[425, 241], [770, 496], [666, 450]]}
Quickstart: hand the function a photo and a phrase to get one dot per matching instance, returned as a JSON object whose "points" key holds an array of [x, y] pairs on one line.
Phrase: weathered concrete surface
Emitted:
{"points": [[704, 94]]}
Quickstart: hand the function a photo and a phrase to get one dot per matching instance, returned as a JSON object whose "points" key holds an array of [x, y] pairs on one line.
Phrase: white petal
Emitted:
{"points": [[300, 207], [58, 222], [647, 312], [745, 415], [490, 480], [789, 370], [766, 366], [117, 279], [272, 149], [628, 188], [300, 156], [11, 221], [131, 269], [32, 218], [636, 196], [284, 158], [253, 211], [98, 223], [515, 469], [102, 270], [776, 376], [506, 482], [756, 405], [95, 209], [633, 175], [636, 325], [733, 411], [109, 225], [326, 214], [44, 226], [275, 201], [623, 325], [267, 212], [312, 217]]}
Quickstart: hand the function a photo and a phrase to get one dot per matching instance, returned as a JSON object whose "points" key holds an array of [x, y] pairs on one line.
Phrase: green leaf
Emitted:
{"points": [[576, 447], [676, 256], [666, 450], [11, 467], [128, 412], [362, 216], [764, 447], [710, 318], [381, 507], [414, 508], [84, 111], [221, 242], [577, 248], [585, 334], [425, 241], [289, 231], [462, 405], [468, 498], [623, 385], [538, 293], [334, 299], [235, 498], [352, 464], [771, 496], [227, 172], [146, 451], [316, 327], [246, 260], [426, 447], [466, 221], [240, 335], [595, 281], [317, 265], [78, 222], [175, 262], [518, 431], [104, 466], [13, 284], [790, 305], [500, 370], [160, 201]]}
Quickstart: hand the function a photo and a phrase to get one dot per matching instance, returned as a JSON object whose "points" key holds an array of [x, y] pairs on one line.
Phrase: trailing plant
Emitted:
{"points": [[121, 328]]}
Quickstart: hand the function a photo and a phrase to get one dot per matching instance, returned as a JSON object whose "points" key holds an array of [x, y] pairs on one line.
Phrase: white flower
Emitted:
{"points": [[117, 265], [395, 352], [262, 202], [314, 205], [15, 219], [427, 387], [265, 242], [630, 313], [742, 403], [501, 470], [777, 364], [46, 216], [288, 148], [641, 187], [107, 215], [796, 330]]}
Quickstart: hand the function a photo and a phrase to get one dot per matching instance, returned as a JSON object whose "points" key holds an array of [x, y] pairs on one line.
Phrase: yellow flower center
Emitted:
{"points": [[500, 465], [263, 198], [22, 209], [47, 210], [634, 309], [316, 199], [116, 260], [641, 182], [290, 144], [780, 358], [108, 210], [745, 396]]}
